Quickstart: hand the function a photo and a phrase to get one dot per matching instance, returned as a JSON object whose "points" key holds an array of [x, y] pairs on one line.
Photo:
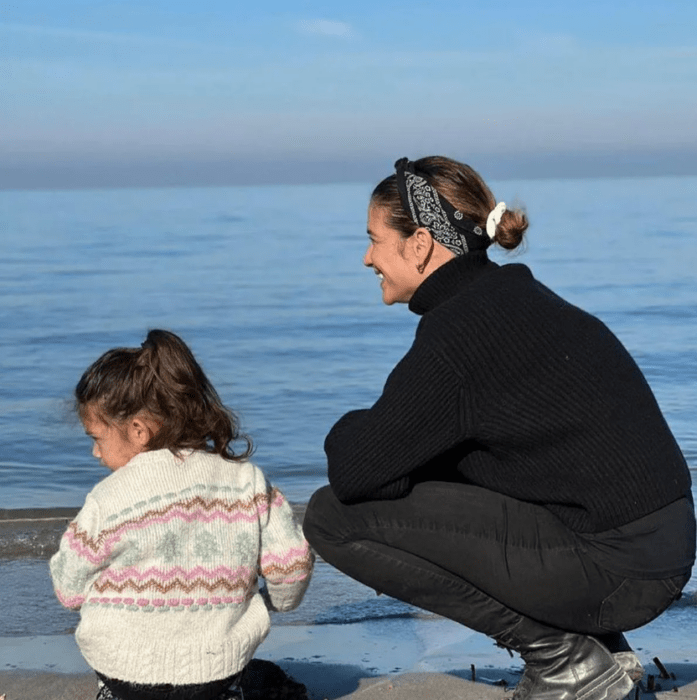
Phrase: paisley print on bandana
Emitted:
{"points": [[427, 208]]}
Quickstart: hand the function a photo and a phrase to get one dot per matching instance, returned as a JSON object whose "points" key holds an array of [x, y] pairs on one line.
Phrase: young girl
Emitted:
{"points": [[164, 558]]}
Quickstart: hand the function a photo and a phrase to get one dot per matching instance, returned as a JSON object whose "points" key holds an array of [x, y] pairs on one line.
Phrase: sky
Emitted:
{"points": [[205, 92]]}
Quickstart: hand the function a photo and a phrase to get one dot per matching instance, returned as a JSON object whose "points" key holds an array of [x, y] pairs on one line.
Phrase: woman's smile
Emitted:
{"points": [[391, 259]]}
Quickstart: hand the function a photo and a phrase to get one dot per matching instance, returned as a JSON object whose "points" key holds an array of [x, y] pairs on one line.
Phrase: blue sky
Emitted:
{"points": [[208, 92]]}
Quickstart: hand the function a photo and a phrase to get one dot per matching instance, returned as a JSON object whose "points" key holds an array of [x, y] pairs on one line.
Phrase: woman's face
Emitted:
{"points": [[392, 258]]}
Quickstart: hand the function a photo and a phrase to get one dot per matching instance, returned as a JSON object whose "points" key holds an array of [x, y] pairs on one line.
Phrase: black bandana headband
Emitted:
{"points": [[427, 208]]}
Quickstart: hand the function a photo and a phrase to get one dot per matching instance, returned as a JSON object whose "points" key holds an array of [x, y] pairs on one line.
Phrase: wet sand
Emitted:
{"points": [[397, 660]]}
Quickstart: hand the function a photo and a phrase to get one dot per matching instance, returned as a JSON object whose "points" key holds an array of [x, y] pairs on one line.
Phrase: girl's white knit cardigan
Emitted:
{"points": [[163, 563]]}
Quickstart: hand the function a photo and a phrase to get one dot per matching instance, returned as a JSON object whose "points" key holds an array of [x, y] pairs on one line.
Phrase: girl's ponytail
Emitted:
{"points": [[162, 379]]}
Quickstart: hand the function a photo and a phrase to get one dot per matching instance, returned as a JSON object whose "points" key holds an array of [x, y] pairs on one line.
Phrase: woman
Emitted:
{"points": [[516, 475]]}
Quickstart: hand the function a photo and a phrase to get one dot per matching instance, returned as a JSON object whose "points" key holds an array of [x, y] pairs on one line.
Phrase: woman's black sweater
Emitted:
{"points": [[511, 388]]}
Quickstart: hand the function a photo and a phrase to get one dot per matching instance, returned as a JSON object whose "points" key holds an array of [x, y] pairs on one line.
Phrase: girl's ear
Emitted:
{"points": [[139, 431]]}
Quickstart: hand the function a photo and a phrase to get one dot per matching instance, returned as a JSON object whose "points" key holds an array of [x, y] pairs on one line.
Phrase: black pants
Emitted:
{"points": [[114, 689], [482, 559]]}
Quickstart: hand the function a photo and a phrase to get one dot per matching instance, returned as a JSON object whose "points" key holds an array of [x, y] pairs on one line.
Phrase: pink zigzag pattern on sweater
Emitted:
{"points": [[294, 567], [104, 544], [107, 544], [241, 573], [288, 557]]}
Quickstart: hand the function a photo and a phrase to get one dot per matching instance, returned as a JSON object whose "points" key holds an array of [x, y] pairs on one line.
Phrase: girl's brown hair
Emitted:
{"points": [[463, 187], [162, 380]]}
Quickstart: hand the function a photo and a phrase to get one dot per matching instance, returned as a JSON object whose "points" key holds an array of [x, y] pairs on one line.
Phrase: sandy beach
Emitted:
{"points": [[393, 656], [392, 659]]}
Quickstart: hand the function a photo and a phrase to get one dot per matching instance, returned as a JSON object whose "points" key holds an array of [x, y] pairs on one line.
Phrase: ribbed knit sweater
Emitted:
{"points": [[163, 562], [511, 388]]}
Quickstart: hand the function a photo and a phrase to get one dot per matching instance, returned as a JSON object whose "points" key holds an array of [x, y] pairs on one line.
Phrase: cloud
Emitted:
{"points": [[325, 27]]}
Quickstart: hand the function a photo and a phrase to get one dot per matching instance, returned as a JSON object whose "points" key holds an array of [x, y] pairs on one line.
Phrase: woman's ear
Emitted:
{"points": [[422, 241], [422, 247]]}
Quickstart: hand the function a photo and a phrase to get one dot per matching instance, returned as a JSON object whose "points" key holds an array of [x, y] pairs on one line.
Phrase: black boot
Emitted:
{"points": [[564, 666]]}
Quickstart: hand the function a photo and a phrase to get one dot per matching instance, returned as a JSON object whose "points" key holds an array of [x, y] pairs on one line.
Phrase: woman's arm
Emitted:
{"points": [[420, 414]]}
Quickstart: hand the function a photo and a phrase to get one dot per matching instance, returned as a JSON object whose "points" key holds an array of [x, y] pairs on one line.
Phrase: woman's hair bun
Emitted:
{"points": [[511, 229]]}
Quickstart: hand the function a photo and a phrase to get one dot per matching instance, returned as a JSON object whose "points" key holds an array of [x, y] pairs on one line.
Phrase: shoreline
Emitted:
{"points": [[401, 659], [34, 533]]}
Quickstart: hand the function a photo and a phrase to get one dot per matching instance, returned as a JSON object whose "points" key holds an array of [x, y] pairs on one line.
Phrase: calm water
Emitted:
{"points": [[266, 285]]}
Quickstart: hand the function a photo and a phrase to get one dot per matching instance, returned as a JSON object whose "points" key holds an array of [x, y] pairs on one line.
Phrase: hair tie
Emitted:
{"points": [[494, 218]]}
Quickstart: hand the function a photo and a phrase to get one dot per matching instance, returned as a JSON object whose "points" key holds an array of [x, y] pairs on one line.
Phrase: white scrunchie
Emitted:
{"points": [[492, 221]]}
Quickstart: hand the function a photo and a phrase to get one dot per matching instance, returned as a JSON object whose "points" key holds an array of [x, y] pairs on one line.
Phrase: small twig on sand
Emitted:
{"points": [[664, 673]]}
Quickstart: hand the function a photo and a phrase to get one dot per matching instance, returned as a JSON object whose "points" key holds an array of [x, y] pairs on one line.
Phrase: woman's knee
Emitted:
{"points": [[321, 517], [330, 525]]}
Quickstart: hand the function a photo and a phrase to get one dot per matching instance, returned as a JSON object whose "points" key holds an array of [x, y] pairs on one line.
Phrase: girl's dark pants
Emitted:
{"points": [[482, 559], [114, 689]]}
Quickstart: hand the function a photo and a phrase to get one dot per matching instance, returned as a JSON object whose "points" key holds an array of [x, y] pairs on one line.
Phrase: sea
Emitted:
{"points": [[266, 285]]}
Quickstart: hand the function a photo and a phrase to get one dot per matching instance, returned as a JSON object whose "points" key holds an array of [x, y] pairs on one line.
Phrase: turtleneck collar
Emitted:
{"points": [[442, 284]]}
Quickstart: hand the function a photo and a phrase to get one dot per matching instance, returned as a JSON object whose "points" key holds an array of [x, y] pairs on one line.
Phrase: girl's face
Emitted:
{"points": [[392, 258], [114, 446]]}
